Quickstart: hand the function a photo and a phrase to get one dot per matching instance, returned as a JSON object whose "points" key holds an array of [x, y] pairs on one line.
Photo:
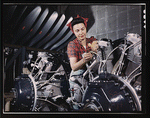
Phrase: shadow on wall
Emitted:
{"points": [[82, 10]]}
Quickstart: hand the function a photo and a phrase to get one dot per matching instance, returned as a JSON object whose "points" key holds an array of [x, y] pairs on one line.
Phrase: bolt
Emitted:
{"points": [[126, 94], [130, 101], [87, 100], [121, 88], [92, 100], [133, 109], [28, 97], [99, 107], [109, 109], [82, 104]]}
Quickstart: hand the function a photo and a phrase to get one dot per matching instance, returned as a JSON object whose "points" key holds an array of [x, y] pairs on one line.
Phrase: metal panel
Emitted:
{"points": [[27, 23], [122, 20], [59, 35], [17, 15], [134, 17], [53, 32], [45, 29], [62, 41], [112, 23], [35, 27], [65, 43]]}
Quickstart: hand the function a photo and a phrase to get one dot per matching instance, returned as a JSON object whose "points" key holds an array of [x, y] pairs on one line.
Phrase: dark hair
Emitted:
{"points": [[76, 21]]}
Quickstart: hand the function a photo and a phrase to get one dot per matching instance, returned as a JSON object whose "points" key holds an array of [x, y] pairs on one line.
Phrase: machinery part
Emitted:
{"points": [[134, 53], [38, 90], [53, 41], [111, 93], [105, 92], [133, 38], [46, 28], [106, 49], [36, 27], [119, 64], [91, 107], [29, 95], [25, 91], [26, 24]]}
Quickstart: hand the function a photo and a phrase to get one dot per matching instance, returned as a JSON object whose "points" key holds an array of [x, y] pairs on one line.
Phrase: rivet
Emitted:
{"points": [[116, 84], [87, 100], [31, 30], [130, 101], [28, 97], [133, 109], [121, 88], [92, 100], [126, 94], [23, 27], [40, 32]]}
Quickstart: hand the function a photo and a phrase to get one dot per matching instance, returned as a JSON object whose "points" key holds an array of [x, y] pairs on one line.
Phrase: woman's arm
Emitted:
{"points": [[78, 65]]}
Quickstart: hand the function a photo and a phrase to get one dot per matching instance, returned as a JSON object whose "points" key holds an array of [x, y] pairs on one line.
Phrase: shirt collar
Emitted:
{"points": [[79, 41]]}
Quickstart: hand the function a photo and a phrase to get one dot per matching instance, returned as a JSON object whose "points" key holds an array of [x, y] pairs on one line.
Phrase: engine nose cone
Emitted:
{"points": [[24, 92]]}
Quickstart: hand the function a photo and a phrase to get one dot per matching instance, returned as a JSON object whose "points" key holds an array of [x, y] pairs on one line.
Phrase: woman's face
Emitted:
{"points": [[80, 31]]}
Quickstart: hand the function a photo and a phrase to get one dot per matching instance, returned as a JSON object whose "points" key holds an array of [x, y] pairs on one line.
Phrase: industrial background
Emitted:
{"points": [[105, 21], [114, 21], [32, 28], [43, 27]]}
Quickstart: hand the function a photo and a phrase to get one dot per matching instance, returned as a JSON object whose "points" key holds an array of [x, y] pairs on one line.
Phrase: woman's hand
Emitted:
{"points": [[94, 46], [87, 56], [78, 65]]}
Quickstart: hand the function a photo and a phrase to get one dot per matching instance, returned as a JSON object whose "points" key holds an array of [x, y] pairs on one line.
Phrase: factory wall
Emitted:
{"points": [[114, 21]]}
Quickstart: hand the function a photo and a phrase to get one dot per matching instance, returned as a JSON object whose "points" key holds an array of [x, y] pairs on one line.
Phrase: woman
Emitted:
{"points": [[76, 49]]}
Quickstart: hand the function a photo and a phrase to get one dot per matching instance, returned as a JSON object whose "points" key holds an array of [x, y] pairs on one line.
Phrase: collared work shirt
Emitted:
{"points": [[75, 49]]}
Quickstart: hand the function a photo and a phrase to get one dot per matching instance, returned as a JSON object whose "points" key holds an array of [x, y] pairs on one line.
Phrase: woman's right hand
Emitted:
{"points": [[76, 65], [87, 57]]}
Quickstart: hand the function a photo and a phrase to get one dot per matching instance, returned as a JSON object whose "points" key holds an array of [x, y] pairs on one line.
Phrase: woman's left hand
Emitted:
{"points": [[94, 46]]}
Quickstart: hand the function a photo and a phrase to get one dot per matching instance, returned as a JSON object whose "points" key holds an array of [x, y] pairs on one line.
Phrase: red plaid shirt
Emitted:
{"points": [[75, 49]]}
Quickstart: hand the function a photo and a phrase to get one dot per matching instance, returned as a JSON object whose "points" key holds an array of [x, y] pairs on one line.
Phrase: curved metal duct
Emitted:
{"points": [[37, 27]]}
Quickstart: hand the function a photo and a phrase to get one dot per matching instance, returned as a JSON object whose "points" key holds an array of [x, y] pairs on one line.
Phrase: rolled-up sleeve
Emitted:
{"points": [[71, 49]]}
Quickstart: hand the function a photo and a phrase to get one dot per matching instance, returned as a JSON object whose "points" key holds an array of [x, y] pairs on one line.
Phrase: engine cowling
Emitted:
{"points": [[109, 92]]}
